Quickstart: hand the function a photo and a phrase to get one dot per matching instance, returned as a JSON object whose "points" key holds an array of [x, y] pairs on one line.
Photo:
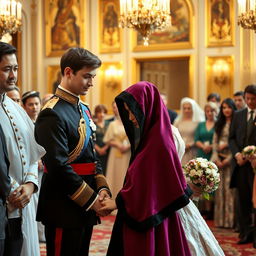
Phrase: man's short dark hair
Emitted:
{"points": [[212, 96], [250, 89], [6, 49], [239, 93], [30, 94], [78, 58]]}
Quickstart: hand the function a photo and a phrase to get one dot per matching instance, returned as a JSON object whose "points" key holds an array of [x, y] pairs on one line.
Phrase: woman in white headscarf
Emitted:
{"points": [[190, 115]]}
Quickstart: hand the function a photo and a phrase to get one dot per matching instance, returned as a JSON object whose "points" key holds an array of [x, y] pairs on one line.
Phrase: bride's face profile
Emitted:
{"points": [[132, 118]]}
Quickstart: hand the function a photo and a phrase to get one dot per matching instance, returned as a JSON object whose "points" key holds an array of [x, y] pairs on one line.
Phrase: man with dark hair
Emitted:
{"points": [[14, 94], [73, 186], [5, 187], [24, 152], [242, 134], [32, 104], [239, 100], [214, 97]]}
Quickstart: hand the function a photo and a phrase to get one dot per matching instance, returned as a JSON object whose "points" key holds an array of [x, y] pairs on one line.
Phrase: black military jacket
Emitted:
{"points": [[66, 196]]}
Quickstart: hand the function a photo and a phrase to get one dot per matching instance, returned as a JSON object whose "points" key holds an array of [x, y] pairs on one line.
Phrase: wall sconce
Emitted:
{"points": [[113, 76], [221, 72]]}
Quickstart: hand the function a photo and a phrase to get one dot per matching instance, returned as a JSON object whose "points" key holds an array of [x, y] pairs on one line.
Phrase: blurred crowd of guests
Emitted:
{"points": [[208, 131]]}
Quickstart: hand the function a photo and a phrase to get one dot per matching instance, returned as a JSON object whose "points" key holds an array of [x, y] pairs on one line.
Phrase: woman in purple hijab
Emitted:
{"points": [[154, 189]]}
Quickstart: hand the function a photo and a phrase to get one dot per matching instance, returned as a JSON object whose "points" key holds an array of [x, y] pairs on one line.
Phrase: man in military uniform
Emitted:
{"points": [[73, 185]]}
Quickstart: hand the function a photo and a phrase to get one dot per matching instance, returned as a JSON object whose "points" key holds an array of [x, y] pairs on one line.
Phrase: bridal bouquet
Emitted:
{"points": [[249, 151], [204, 174]]}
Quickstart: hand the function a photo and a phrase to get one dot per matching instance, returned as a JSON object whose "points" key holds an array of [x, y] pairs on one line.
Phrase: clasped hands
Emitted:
{"points": [[104, 205], [21, 196]]}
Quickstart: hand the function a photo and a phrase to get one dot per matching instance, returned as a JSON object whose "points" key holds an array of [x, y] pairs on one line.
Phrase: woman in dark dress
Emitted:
{"points": [[102, 149], [154, 189]]}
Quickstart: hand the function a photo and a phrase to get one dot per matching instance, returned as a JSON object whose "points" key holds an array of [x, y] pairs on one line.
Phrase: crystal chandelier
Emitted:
{"points": [[10, 17], [145, 16], [247, 14]]}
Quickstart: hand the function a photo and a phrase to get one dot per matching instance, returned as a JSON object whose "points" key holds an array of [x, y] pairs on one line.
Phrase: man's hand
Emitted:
{"points": [[240, 159], [21, 196], [97, 208], [104, 194]]}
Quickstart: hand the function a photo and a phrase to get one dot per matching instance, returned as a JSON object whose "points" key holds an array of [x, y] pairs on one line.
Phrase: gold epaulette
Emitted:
{"points": [[51, 103], [82, 135]]}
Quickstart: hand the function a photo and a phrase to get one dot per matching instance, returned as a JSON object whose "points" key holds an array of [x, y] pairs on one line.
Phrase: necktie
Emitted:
{"points": [[250, 125]]}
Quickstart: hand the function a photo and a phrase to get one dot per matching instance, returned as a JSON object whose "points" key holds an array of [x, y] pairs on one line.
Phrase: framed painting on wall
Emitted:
{"points": [[178, 35], [220, 23], [53, 78], [109, 32], [111, 74], [64, 25]]}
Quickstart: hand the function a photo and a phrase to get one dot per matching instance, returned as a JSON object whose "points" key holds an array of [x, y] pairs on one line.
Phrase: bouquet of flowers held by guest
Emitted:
{"points": [[249, 151], [203, 174]]}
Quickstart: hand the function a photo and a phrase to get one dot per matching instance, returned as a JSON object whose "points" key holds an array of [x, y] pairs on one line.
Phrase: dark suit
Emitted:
{"points": [[242, 176], [5, 187], [172, 115], [65, 194]]}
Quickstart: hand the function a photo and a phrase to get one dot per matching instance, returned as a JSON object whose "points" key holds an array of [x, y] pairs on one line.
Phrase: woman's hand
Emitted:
{"points": [[108, 205]]}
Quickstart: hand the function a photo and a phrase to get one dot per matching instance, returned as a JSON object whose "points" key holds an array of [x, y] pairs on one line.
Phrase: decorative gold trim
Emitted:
{"points": [[67, 96], [51, 103], [79, 191], [174, 45], [77, 150], [82, 195], [208, 27]]}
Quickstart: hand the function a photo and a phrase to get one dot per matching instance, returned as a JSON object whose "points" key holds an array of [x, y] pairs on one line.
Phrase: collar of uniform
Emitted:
{"points": [[2, 97], [66, 95]]}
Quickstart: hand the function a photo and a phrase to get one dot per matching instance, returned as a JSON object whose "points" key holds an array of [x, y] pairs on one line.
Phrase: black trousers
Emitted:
{"points": [[67, 241], [245, 178], [13, 238]]}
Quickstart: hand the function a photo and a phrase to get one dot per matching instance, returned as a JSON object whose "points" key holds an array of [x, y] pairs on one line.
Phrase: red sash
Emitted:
{"points": [[81, 168]]}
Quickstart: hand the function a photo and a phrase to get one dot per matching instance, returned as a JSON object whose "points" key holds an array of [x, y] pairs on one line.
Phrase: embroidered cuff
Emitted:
{"points": [[84, 196]]}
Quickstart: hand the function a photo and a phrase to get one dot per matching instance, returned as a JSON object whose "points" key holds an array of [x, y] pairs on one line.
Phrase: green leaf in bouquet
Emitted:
{"points": [[206, 195]]}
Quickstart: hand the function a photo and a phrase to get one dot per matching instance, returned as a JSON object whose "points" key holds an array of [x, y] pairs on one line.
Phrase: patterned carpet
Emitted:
{"points": [[226, 237]]}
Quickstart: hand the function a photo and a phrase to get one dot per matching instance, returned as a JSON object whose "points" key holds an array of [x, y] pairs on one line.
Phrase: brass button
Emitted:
{"points": [[11, 117], [19, 138], [24, 163], [14, 124], [16, 129], [22, 156], [21, 147]]}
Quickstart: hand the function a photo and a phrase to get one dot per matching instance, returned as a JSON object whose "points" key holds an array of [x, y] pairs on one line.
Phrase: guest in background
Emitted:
{"points": [[101, 128], [224, 196], [172, 114], [214, 97], [187, 121], [239, 100], [32, 104], [115, 112], [119, 154], [242, 134], [14, 94], [204, 131]]}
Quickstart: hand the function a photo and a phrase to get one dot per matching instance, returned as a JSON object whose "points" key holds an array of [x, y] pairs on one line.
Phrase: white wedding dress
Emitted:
{"points": [[200, 239]]}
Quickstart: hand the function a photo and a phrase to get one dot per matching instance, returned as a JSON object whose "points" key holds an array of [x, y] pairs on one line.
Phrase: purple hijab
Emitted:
{"points": [[154, 186]]}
